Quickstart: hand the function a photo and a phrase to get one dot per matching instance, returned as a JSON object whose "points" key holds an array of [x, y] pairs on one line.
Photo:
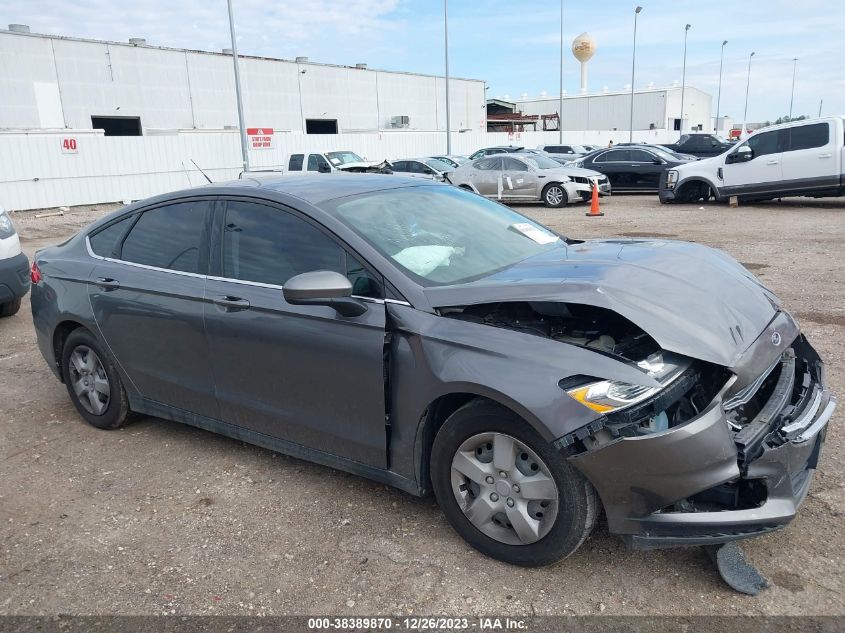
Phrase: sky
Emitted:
{"points": [[514, 45]]}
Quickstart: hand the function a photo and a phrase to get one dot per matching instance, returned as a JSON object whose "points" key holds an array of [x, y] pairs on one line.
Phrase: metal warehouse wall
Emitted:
{"points": [[36, 173], [52, 82]]}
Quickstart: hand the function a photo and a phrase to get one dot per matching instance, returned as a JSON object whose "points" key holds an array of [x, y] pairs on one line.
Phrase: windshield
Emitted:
{"points": [[342, 158], [541, 162], [443, 235], [437, 164]]}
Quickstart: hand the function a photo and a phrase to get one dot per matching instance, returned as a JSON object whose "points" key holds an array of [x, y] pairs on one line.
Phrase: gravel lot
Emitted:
{"points": [[162, 518]]}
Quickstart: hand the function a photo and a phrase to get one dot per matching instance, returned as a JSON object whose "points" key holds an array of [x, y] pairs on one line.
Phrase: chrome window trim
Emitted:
{"points": [[137, 265]]}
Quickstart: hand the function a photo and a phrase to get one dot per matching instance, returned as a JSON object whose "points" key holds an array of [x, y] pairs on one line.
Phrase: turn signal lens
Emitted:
{"points": [[34, 273]]}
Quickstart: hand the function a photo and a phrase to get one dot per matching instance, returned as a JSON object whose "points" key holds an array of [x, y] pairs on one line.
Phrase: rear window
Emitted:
{"points": [[104, 243], [167, 237], [808, 136]]}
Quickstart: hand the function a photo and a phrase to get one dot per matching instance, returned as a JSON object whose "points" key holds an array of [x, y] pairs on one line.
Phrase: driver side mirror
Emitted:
{"points": [[659, 161], [323, 168], [742, 155], [323, 288]]}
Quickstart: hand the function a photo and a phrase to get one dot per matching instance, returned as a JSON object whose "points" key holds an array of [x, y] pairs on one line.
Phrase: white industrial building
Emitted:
{"points": [[130, 88], [654, 109]]}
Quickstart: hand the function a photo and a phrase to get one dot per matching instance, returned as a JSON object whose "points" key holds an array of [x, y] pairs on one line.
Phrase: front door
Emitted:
{"points": [[147, 295], [304, 374], [762, 174]]}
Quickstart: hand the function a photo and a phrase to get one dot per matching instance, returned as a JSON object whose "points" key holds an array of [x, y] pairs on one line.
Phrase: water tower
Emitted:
{"points": [[584, 47]]}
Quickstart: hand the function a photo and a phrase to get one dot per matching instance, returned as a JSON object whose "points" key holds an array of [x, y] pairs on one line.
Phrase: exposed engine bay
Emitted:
{"points": [[687, 385]]}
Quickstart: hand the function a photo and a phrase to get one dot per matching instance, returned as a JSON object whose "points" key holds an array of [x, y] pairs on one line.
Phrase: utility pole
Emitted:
{"points": [[560, 105], [241, 127], [792, 94], [446, 47], [684, 77], [747, 86], [719, 94], [633, 67]]}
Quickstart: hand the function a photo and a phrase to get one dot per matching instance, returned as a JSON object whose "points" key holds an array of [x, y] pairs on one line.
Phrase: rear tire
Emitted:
{"points": [[92, 382], [555, 196], [533, 513], [10, 308]]}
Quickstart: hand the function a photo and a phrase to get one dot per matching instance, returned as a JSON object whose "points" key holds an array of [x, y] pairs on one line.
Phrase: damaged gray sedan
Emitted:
{"points": [[433, 340]]}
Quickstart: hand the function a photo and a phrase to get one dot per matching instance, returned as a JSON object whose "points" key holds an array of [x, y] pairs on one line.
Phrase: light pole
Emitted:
{"points": [[747, 86], [792, 94], [560, 105], [244, 150], [684, 77], [719, 94], [446, 47], [633, 66]]}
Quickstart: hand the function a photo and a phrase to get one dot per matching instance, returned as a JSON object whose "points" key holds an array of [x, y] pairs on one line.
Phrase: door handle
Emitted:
{"points": [[825, 155], [635, 165], [107, 283], [232, 303], [773, 162]]}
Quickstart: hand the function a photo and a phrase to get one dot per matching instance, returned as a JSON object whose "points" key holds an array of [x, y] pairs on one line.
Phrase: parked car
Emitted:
{"points": [[14, 267], [630, 169], [520, 178], [422, 167], [592, 148], [492, 151], [453, 159], [430, 339], [570, 152], [328, 162], [803, 158], [701, 145], [584, 179]]}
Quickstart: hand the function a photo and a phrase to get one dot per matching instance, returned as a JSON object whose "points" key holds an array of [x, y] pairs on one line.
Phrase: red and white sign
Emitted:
{"points": [[69, 145], [260, 137]]}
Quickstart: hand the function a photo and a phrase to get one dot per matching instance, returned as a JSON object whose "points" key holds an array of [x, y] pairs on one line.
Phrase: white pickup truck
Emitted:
{"points": [[802, 158], [328, 162]]}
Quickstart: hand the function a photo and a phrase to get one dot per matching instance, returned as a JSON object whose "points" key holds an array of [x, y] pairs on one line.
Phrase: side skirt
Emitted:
{"points": [[158, 410]]}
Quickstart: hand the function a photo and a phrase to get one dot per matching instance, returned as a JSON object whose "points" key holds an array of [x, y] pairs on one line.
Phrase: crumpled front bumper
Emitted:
{"points": [[645, 481]]}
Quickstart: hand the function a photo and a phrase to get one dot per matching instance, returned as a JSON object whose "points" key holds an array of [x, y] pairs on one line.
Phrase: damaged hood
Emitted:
{"points": [[692, 299], [364, 166]]}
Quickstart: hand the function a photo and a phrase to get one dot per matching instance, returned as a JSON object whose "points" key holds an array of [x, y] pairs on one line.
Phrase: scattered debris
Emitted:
{"points": [[52, 213], [735, 569]]}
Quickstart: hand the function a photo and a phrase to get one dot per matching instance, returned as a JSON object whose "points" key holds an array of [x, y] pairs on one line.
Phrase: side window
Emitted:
{"points": [[295, 162], [477, 154], [764, 143], [269, 245], [511, 164], [312, 162], [683, 139], [400, 165], [489, 164], [808, 136], [640, 156], [104, 243], [168, 237], [615, 156]]}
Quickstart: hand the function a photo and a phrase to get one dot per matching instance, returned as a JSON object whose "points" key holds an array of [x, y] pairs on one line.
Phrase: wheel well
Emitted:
{"points": [[60, 335], [435, 415], [694, 189]]}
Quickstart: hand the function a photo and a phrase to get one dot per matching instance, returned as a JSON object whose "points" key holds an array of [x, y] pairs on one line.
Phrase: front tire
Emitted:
{"points": [[92, 382], [509, 493], [10, 308], [554, 195]]}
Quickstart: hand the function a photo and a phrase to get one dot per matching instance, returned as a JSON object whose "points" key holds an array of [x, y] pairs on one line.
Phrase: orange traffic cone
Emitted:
{"points": [[595, 211]]}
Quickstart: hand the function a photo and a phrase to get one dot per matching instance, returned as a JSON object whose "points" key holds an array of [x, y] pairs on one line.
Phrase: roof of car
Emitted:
{"points": [[315, 188]]}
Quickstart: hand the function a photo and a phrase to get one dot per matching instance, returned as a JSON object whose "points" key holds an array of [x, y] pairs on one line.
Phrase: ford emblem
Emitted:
{"points": [[775, 338]]}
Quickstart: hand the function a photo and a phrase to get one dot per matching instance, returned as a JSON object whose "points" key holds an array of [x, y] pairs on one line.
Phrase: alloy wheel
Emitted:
{"points": [[89, 380], [554, 195], [504, 488]]}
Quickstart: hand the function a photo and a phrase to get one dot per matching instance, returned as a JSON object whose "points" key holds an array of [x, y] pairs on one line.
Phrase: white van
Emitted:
{"points": [[14, 267], [802, 158]]}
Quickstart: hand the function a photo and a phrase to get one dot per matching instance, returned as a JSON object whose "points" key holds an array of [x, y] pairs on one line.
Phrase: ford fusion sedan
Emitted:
{"points": [[528, 178], [433, 340], [431, 168]]}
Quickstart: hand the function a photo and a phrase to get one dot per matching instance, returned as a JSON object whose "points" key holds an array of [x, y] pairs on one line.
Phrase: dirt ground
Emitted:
{"points": [[161, 518]]}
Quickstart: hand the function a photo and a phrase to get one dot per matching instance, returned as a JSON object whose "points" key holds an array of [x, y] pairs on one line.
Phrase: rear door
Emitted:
{"points": [[645, 169], [616, 165], [486, 176], [147, 295], [762, 174], [304, 374], [809, 160]]}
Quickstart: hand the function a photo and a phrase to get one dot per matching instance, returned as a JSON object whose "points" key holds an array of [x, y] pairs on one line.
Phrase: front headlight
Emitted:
{"points": [[605, 396], [7, 229], [671, 178]]}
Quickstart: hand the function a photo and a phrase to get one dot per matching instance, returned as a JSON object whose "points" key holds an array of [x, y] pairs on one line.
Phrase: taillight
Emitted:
{"points": [[34, 273]]}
